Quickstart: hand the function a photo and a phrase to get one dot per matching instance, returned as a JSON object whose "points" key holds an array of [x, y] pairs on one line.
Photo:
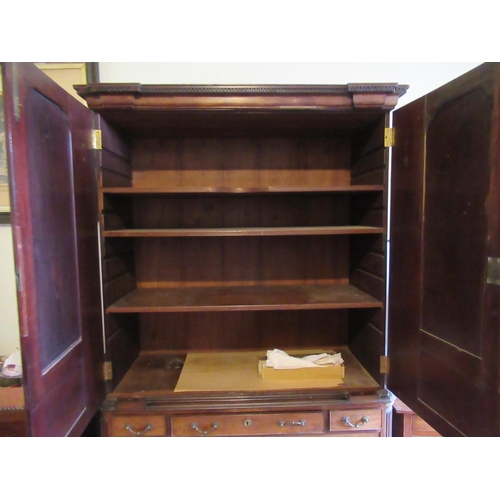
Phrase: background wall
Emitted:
{"points": [[9, 323]]}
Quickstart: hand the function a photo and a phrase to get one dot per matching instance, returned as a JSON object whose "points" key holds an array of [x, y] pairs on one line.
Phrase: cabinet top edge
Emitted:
{"points": [[137, 88], [127, 96]]}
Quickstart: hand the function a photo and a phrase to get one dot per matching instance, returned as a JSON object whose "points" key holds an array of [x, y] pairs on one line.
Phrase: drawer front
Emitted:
{"points": [[355, 420], [137, 426], [249, 424]]}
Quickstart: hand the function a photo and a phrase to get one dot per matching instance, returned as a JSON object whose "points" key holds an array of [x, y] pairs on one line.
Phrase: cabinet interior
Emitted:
{"points": [[234, 230]]}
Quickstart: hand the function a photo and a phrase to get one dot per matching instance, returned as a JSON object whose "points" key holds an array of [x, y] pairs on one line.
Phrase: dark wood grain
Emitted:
{"points": [[177, 262], [238, 211], [308, 160], [242, 330], [455, 219], [443, 200]]}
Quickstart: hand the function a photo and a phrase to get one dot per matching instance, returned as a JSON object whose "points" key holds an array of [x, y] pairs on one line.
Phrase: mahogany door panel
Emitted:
{"points": [[443, 322], [54, 216]]}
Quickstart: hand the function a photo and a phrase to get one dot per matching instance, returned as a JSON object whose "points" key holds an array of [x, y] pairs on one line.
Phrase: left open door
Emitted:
{"points": [[54, 219]]}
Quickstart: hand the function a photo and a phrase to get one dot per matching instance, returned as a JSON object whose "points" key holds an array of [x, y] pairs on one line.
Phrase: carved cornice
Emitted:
{"points": [[137, 88], [381, 96], [393, 88]]}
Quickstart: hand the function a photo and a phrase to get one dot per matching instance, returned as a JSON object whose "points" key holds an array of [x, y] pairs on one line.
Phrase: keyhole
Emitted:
{"points": [[247, 423]]}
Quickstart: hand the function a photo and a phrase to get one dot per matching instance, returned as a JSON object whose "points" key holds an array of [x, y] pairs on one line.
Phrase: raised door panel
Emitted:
{"points": [[443, 320], [54, 216]]}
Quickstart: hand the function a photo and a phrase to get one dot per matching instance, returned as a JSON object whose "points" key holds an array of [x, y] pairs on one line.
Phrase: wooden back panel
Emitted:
{"points": [[180, 262], [243, 330], [240, 211], [250, 161]]}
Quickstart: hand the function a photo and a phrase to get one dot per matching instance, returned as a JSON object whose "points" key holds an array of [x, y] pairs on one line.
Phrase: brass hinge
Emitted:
{"points": [[384, 364], [493, 273], [389, 137], [96, 139], [18, 280], [108, 370]]}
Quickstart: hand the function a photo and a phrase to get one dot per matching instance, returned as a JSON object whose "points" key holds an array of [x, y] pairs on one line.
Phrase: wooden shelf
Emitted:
{"points": [[256, 190], [244, 298], [247, 231]]}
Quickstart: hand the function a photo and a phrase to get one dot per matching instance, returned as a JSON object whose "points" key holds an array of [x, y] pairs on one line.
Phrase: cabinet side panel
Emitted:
{"points": [[368, 253], [118, 270]]}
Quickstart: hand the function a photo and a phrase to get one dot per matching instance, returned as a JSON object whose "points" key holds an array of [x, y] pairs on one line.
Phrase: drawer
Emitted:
{"points": [[137, 426], [356, 420], [249, 424]]}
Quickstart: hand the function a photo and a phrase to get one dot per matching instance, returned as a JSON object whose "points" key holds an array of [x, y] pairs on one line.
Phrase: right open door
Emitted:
{"points": [[444, 292]]}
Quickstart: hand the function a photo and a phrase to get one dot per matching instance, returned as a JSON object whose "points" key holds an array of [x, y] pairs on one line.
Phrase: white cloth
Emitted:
{"points": [[280, 360], [13, 365]]}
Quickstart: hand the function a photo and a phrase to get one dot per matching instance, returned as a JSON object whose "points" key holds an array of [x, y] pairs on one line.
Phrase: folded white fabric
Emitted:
{"points": [[280, 360], [13, 365]]}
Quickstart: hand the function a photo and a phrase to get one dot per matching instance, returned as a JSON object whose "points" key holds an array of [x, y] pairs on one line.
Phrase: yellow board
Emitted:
{"points": [[322, 372], [11, 398], [236, 371]]}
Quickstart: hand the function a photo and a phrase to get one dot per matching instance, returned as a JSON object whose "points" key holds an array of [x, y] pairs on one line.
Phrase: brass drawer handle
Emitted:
{"points": [[195, 427], [148, 427], [363, 421], [300, 423]]}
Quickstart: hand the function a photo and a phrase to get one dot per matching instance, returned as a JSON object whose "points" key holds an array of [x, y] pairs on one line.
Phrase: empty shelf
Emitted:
{"points": [[244, 190], [244, 298], [246, 231]]}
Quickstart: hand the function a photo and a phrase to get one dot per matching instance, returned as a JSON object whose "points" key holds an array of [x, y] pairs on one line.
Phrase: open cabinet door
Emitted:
{"points": [[444, 296], [54, 219]]}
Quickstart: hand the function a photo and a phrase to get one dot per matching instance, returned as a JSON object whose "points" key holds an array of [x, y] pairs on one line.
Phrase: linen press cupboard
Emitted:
{"points": [[225, 220]]}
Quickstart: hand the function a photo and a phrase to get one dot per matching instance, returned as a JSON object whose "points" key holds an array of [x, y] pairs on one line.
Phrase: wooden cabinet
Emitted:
{"points": [[233, 219]]}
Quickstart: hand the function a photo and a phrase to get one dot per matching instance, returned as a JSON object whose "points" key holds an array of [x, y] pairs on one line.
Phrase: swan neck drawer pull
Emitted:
{"points": [[300, 423], [363, 421], [195, 427], [139, 433]]}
